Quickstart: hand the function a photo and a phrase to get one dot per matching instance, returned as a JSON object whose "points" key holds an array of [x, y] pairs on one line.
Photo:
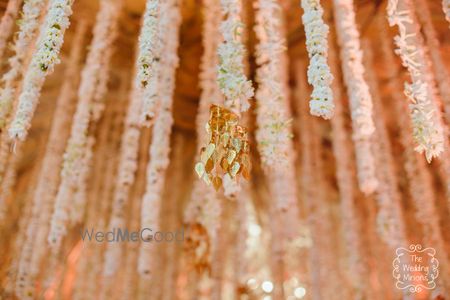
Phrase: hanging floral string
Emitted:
{"points": [[358, 91], [419, 178], [42, 64], [432, 41], [319, 75], [428, 131], [125, 176], [232, 80], [148, 60], [28, 25], [390, 221], [104, 34], [274, 128], [351, 223], [160, 146], [204, 209], [36, 247], [7, 23], [438, 70]]}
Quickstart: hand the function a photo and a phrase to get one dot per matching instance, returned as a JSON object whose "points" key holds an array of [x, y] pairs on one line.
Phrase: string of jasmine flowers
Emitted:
{"points": [[345, 175], [160, 146], [420, 181], [28, 25], [232, 81], [42, 64], [126, 174], [319, 75], [204, 206], [274, 124], [390, 222], [358, 91], [72, 169], [438, 65], [442, 79], [427, 128], [35, 249], [274, 130], [7, 23], [148, 60]]}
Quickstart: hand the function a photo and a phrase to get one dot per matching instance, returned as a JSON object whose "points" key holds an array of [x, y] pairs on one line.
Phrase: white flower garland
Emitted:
{"points": [[342, 151], [125, 176], [273, 134], [204, 206], [73, 168], [160, 146], [390, 222], [428, 131], [231, 78], [419, 178], [319, 75], [42, 64], [148, 60], [28, 26], [31, 256], [358, 91], [7, 23], [440, 71], [446, 9]]}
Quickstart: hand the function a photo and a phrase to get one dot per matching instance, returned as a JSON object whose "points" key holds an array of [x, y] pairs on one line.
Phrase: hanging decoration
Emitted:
{"points": [[428, 131], [232, 81], [28, 25], [420, 182], [148, 60], [125, 176], [390, 219], [325, 200], [274, 126], [319, 75], [160, 147], [345, 174], [274, 132], [358, 92], [76, 147], [7, 23], [37, 230], [42, 64], [433, 46], [226, 155]]}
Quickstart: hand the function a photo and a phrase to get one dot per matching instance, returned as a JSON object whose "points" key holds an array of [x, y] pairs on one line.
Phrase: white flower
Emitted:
{"points": [[427, 126], [43, 61], [319, 74], [160, 146], [75, 163], [231, 78], [358, 91], [28, 26]]}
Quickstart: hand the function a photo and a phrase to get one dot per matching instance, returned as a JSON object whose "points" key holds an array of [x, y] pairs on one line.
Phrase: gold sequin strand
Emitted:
{"points": [[227, 155]]}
